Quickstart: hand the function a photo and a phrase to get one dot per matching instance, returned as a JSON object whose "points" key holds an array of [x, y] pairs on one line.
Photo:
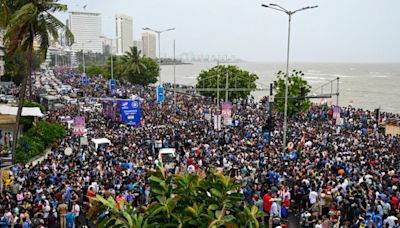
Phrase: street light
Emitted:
{"points": [[83, 54], [289, 13], [159, 41], [112, 55]]}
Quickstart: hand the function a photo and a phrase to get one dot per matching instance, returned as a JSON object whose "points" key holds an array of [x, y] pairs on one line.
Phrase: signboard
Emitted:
{"points": [[217, 122], [130, 112], [226, 110], [160, 94], [79, 125], [112, 84], [85, 79], [336, 112]]}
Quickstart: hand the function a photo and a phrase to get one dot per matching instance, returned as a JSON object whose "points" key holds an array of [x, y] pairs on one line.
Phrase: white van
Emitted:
{"points": [[167, 157], [96, 143]]}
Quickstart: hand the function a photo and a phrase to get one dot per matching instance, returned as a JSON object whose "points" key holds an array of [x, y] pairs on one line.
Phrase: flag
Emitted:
{"points": [[99, 169], [302, 142]]}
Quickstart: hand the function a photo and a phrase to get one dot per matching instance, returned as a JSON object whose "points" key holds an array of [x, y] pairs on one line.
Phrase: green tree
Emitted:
{"points": [[36, 139], [132, 62], [182, 200], [150, 74], [237, 78], [32, 20], [16, 66], [117, 66], [95, 70], [295, 83], [137, 69]]}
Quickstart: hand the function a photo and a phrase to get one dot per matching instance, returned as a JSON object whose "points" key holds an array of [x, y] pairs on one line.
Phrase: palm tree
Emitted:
{"points": [[132, 62], [33, 21]]}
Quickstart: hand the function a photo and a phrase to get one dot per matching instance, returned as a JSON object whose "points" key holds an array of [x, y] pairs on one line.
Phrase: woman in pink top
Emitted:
{"points": [[20, 197]]}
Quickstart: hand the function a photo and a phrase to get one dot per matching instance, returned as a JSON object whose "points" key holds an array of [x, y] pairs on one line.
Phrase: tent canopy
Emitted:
{"points": [[26, 111], [101, 141]]}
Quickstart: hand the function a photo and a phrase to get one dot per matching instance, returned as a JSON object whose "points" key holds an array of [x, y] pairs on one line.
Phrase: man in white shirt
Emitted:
{"points": [[391, 221], [313, 196]]}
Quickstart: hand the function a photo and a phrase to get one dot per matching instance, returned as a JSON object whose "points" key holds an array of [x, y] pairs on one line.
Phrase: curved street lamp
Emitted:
{"points": [[289, 13]]}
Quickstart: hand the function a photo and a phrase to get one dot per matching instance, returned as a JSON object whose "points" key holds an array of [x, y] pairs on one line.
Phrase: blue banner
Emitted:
{"points": [[130, 111], [112, 84], [85, 79], [160, 94]]}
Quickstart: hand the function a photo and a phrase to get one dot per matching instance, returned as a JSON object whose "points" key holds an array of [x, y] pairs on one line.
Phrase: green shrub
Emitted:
{"points": [[36, 139]]}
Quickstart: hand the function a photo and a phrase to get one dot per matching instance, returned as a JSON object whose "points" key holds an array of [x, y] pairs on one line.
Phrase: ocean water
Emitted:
{"points": [[364, 85]]}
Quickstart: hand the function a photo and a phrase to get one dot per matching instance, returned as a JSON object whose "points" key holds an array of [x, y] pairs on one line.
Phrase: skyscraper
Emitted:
{"points": [[124, 29], [149, 44], [86, 28]]}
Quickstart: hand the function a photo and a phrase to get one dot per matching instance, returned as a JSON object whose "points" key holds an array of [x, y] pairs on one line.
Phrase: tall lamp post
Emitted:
{"points": [[112, 54], [289, 13], [83, 55], [159, 42]]}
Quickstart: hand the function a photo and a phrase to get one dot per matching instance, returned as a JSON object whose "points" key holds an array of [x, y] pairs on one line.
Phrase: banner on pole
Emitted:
{"points": [[79, 125], [226, 109], [85, 79], [112, 84], [160, 94], [130, 112], [336, 112], [217, 122]]}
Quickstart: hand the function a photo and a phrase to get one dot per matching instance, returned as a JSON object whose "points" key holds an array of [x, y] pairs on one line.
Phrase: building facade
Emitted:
{"points": [[86, 28], [124, 33], [149, 44]]}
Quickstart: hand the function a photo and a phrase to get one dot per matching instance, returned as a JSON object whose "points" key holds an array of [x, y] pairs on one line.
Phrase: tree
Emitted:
{"points": [[32, 20], [237, 78], [137, 69], [95, 70], [132, 63], [16, 66], [295, 83], [181, 200], [150, 74]]}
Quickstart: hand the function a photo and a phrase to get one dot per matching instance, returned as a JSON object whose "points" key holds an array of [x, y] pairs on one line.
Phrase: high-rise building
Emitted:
{"points": [[107, 45], [124, 29], [149, 44], [2, 53], [139, 45], [86, 28]]}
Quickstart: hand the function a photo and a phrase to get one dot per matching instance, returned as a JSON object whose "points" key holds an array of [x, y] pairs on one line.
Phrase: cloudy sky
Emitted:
{"points": [[337, 31]]}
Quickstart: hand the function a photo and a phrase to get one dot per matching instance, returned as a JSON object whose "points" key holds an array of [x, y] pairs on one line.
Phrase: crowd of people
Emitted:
{"points": [[329, 175]]}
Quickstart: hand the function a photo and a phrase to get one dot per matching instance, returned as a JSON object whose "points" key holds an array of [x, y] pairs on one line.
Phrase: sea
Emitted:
{"points": [[362, 85]]}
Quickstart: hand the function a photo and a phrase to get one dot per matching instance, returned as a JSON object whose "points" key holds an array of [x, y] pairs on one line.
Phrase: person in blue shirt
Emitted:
{"points": [[70, 217], [25, 223], [3, 220]]}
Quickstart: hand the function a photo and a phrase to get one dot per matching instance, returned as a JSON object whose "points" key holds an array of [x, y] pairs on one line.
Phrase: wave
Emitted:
{"points": [[331, 75]]}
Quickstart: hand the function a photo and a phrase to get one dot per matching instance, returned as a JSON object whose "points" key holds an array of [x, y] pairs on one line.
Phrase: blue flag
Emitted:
{"points": [[160, 94]]}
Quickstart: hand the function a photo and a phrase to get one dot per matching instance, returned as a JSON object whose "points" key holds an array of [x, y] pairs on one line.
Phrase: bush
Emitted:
{"points": [[37, 139]]}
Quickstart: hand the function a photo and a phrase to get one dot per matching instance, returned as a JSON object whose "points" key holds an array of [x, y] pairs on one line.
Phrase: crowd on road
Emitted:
{"points": [[329, 175]]}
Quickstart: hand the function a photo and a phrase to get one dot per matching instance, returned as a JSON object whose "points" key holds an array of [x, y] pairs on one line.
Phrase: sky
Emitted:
{"points": [[336, 31]]}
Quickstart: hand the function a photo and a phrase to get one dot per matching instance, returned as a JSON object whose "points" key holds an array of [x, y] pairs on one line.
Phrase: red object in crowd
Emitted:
{"points": [[372, 163], [267, 203]]}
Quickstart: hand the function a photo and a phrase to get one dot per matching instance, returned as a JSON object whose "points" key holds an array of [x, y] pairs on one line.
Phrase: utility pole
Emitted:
{"points": [[226, 86], [218, 93], [174, 77], [337, 92]]}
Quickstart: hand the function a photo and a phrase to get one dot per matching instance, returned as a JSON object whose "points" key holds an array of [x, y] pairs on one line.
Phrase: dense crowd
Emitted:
{"points": [[328, 176]]}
